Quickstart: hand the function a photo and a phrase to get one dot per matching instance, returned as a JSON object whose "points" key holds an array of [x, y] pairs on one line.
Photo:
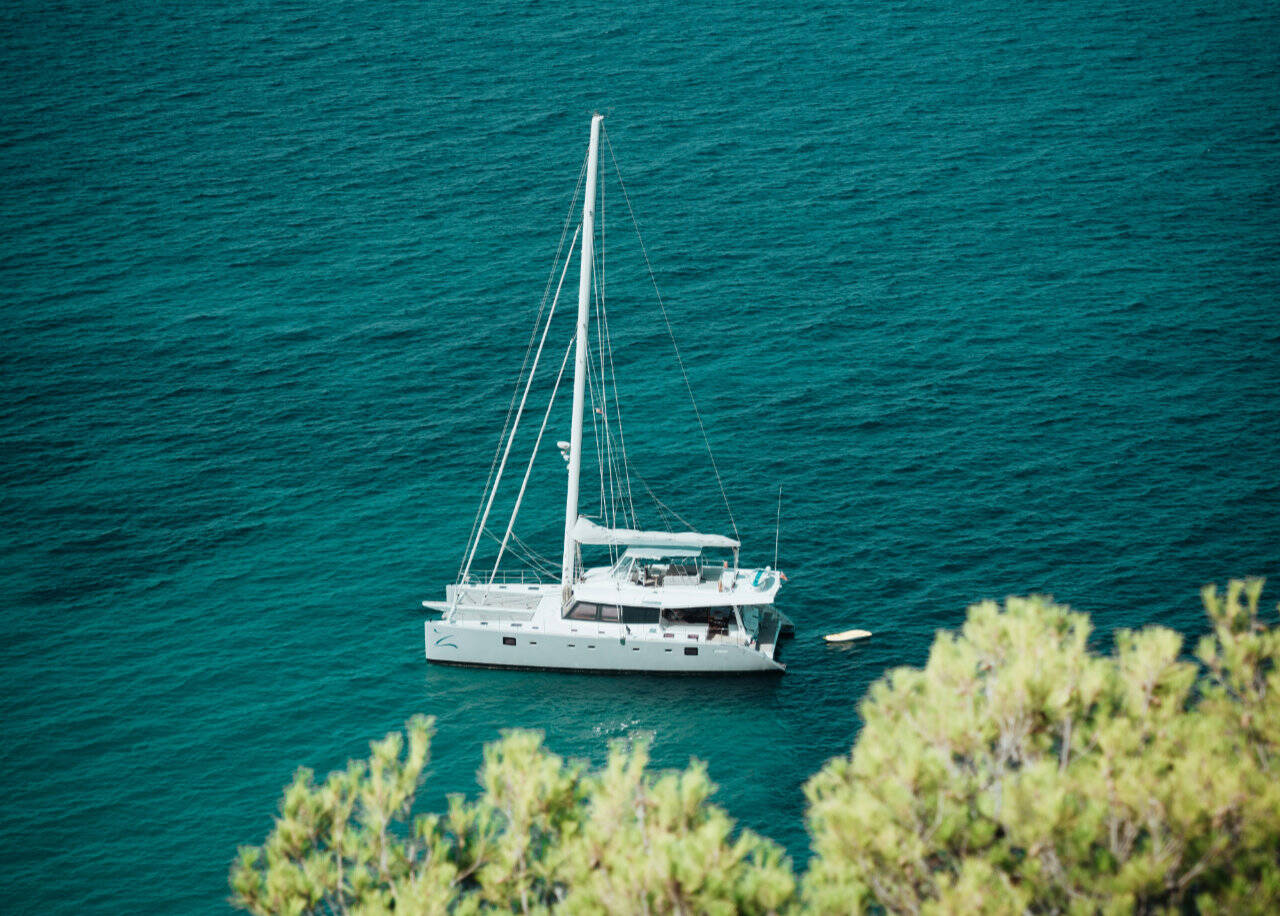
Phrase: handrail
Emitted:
{"points": [[505, 578]]}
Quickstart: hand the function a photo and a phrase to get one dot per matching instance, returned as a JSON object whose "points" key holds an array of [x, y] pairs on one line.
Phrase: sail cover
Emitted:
{"points": [[588, 532]]}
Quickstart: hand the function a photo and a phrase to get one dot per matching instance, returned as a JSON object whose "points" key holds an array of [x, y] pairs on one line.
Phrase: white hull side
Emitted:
{"points": [[467, 644]]}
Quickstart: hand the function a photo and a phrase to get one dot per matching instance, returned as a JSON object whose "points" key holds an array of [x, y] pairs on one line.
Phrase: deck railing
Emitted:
{"points": [[506, 577]]}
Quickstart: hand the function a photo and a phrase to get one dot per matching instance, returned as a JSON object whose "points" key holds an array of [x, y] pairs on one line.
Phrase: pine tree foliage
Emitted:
{"points": [[1017, 772], [542, 834]]}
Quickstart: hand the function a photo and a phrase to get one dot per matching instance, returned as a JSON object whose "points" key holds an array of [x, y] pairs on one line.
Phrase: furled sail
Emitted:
{"points": [[588, 532]]}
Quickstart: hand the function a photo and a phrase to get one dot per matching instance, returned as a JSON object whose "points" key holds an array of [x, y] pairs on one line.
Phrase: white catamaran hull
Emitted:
{"points": [[616, 652]]}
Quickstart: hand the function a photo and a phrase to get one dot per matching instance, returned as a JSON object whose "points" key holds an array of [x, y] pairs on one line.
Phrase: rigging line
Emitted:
{"points": [[604, 415], [493, 492], [604, 346], [670, 333], [600, 438], [528, 555], [629, 502], [485, 496], [515, 550], [595, 438], [598, 410], [603, 310], [603, 264], [615, 483], [541, 570], [564, 229], [616, 508], [663, 515], [615, 469], [524, 545], [598, 291], [533, 370], [622, 439], [520, 375], [608, 507], [660, 504], [529, 468], [525, 556], [599, 338], [531, 556]]}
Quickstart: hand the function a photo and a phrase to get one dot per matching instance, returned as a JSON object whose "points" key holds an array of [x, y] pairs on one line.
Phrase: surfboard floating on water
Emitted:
{"points": [[847, 636]]}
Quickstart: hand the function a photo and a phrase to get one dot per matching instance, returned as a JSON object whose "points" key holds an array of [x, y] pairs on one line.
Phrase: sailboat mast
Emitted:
{"points": [[580, 357]]}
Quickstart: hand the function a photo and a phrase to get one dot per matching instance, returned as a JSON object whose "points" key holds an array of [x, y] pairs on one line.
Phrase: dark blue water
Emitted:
{"points": [[989, 289]]}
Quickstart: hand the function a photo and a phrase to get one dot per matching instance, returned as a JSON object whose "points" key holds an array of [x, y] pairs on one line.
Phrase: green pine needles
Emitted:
{"points": [[1017, 772]]}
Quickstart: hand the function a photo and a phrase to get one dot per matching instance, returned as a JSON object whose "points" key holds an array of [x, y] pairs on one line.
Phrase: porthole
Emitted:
{"points": [[508, 640], [690, 650]]}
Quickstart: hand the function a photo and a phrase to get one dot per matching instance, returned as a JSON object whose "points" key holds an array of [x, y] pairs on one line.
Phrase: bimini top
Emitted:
{"points": [[588, 532], [662, 553]]}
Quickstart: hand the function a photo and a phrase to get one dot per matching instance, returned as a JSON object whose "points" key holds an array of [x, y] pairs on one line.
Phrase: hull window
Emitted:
{"points": [[640, 615], [697, 616], [612, 613], [508, 640], [690, 650]]}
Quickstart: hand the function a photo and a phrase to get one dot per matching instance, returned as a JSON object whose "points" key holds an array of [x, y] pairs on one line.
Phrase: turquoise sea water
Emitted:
{"points": [[990, 289]]}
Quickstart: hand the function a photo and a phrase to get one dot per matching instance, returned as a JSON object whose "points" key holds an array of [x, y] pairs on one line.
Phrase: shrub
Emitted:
{"points": [[542, 833], [1017, 772]]}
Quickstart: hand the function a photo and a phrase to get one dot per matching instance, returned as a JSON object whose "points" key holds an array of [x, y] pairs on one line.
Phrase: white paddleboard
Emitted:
{"points": [[847, 636]]}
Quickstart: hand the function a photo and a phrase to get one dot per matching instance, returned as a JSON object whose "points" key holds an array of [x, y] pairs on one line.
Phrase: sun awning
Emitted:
{"points": [[661, 553], [588, 532]]}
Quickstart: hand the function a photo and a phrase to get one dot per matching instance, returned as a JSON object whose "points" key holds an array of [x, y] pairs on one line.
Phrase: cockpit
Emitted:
{"points": [[653, 567]]}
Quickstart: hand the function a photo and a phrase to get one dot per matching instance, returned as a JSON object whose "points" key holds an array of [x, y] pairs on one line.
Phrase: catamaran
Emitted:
{"points": [[665, 602]]}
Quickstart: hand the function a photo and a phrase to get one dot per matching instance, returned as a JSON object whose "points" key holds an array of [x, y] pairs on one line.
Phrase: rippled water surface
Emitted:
{"points": [[989, 290]]}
